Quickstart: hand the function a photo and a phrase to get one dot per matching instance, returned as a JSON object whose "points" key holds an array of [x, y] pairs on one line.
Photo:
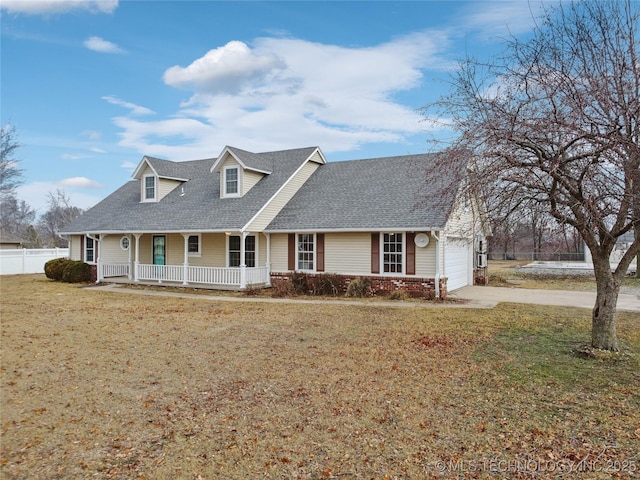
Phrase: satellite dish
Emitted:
{"points": [[421, 240]]}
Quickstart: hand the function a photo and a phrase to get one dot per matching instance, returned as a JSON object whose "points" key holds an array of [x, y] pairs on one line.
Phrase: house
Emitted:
{"points": [[247, 219], [9, 241]]}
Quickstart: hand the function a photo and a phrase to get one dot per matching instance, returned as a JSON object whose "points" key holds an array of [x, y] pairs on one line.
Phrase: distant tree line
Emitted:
{"points": [[18, 220]]}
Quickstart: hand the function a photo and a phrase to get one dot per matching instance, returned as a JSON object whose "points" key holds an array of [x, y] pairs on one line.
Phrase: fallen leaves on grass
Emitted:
{"points": [[106, 385]]}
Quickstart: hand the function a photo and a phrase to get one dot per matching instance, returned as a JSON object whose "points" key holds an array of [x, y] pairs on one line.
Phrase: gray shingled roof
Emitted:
{"points": [[392, 192], [374, 194], [167, 168], [254, 161], [199, 209]]}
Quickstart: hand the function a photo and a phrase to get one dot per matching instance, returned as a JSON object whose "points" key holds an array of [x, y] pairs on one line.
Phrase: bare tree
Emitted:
{"points": [[557, 118], [10, 173], [59, 214], [15, 216]]}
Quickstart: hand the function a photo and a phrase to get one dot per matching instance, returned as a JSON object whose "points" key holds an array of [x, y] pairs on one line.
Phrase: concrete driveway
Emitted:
{"points": [[489, 297]]}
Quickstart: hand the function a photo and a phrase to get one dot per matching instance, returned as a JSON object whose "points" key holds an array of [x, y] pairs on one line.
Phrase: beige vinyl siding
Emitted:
{"points": [[145, 250], [212, 247], [316, 157], [426, 259], [248, 179], [279, 252], [110, 250], [464, 219], [166, 186], [281, 198], [347, 253], [75, 247]]}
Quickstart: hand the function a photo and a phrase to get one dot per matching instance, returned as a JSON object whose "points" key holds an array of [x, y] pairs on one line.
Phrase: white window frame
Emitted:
{"points": [[87, 249], [314, 252], [144, 188], [198, 253], [257, 249], [226, 193], [403, 253], [124, 240]]}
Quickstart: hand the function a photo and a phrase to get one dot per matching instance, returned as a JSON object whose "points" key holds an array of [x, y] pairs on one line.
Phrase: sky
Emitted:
{"points": [[92, 86]]}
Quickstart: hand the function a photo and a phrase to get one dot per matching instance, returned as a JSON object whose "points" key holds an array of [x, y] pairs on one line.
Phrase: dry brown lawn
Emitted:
{"points": [[107, 385]]}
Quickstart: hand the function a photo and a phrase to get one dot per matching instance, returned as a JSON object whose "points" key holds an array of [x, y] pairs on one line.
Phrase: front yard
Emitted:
{"points": [[106, 385]]}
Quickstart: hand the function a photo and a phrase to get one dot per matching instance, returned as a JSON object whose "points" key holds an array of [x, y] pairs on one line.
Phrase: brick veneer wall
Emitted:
{"points": [[94, 272], [417, 287]]}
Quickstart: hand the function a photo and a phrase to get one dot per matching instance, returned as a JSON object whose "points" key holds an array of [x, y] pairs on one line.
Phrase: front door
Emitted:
{"points": [[159, 249]]}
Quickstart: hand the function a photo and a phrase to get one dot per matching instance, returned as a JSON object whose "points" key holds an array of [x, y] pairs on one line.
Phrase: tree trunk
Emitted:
{"points": [[603, 326], [638, 266]]}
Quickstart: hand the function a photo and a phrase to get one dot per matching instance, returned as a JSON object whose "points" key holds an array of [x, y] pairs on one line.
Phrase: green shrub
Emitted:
{"points": [[360, 287], [300, 283], [76, 272], [54, 269], [328, 284]]}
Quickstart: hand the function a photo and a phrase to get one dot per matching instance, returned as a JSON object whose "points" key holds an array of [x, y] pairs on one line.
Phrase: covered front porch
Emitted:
{"points": [[152, 259]]}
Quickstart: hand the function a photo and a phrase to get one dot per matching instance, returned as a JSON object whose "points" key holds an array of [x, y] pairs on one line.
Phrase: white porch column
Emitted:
{"points": [[129, 259], [243, 263], [185, 265], [268, 264], [137, 262], [97, 246], [437, 236]]}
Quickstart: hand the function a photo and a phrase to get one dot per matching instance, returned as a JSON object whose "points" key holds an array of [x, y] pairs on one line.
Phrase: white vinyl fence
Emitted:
{"points": [[26, 260]]}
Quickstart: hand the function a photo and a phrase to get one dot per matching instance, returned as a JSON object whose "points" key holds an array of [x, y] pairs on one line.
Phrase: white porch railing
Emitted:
{"points": [[114, 270], [200, 275]]}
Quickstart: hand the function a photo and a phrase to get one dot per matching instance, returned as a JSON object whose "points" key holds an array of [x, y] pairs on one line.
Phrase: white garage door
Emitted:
{"points": [[457, 264]]}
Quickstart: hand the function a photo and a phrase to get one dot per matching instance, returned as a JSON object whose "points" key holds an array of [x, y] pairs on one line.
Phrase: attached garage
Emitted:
{"points": [[457, 266]]}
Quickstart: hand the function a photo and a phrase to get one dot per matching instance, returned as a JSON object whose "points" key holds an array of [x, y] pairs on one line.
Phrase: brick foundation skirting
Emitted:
{"points": [[417, 287], [94, 272]]}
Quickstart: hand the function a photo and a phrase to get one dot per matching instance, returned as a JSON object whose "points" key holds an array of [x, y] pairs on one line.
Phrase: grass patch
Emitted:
{"points": [[505, 273], [107, 385]]}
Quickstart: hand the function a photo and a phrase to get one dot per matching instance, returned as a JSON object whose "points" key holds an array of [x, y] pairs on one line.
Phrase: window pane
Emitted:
{"points": [[234, 259], [193, 244], [392, 253], [250, 251], [149, 187], [305, 251], [231, 180]]}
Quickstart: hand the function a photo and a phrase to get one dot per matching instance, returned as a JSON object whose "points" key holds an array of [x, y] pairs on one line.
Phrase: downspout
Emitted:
{"points": [[437, 276]]}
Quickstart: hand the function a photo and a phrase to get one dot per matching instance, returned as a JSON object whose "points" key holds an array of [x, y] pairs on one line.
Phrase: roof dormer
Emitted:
{"points": [[239, 171], [157, 178]]}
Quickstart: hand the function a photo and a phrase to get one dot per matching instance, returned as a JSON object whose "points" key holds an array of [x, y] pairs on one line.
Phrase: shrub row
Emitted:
{"points": [[65, 270], [326, 284]]}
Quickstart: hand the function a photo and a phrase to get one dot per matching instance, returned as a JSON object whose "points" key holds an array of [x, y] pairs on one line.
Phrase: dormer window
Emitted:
{"points": [[231, 181], [149, 188]]}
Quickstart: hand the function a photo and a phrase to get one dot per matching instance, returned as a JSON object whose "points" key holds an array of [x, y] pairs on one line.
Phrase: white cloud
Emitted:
{"points": [[135, 109], [79, 182], [45, 7], [97, 150], [502, 18], [101, 45], [128, 165], [227, 68], [92, 134], [285, 92]]}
